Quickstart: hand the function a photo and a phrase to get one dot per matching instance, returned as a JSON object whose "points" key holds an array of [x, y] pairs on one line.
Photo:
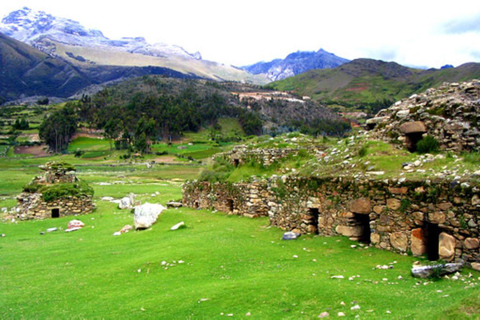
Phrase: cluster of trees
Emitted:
{"points": [[149, 116], [21, 124], [58, 129], [136, 113]]}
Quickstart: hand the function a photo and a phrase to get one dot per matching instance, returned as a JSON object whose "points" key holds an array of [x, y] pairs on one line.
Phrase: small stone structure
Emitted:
{"points": [[438, 219], [239, 155], [31, 203], [450, 114]]}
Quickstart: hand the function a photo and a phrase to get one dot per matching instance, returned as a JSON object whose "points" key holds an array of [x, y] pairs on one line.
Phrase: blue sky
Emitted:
{"points": [[412, 33]]}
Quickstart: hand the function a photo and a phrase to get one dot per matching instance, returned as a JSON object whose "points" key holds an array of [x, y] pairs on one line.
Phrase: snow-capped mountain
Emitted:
{"points": [[38, 29], [296, 63]]}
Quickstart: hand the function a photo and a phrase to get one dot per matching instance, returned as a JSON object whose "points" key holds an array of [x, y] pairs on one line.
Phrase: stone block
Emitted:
{"points": [[446, 247], [378, 209], [361, 206], [399, 241], [393, 204], [348, 231], [471, 243], [402, 190], [375, 238], [413, 127], [436, 217], [417, 246]]}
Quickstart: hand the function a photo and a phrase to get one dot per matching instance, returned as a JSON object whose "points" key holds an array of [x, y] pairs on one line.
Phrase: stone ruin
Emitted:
{"points": [[437, 219], [449, 113], [31, 203]]}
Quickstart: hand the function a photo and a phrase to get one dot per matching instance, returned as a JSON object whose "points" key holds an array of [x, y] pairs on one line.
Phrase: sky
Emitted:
{"points": [[412, 33]]}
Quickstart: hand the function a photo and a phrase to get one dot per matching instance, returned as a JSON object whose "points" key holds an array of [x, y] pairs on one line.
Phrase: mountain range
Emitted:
{"points": [[82, 47], [296, 63], [49, 56], [371, 84]]}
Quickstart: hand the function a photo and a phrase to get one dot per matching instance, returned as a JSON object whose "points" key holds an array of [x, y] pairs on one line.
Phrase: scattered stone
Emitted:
{"points": [[174, 204], [52, 229], [290, 235], [355, 307], [126, 228], [341, 314], [337, 277], [324, 315], [107, 199], [118, 233], [179, 225], [146, 215], [127, 202], [75, 224], [440, 269]]}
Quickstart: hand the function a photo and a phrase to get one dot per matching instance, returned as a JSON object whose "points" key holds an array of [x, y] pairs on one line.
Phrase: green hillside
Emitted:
{"points": [[369, 85], [28, 72]]}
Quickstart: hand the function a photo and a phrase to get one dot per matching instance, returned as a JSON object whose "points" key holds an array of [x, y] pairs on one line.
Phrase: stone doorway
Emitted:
{"points": [[230, 205], [412, 139], [431, 237], [312, 220], [362, 222], [56, 213], [236, 162]]}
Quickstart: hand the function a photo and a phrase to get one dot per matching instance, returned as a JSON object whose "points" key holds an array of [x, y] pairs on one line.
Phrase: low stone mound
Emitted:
{"points": [[449, 113]]}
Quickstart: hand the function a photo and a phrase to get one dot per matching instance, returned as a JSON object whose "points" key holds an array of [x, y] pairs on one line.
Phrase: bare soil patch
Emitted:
{"points": [[37, 151]]}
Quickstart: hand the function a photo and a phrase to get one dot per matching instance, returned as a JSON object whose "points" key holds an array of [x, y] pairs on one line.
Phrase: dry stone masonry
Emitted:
{"points": [[31, 204], [450, 114], [437, 219]]}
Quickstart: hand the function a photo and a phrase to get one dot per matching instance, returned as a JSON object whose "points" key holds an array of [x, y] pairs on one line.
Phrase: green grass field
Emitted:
{"points": [[230, 265]]}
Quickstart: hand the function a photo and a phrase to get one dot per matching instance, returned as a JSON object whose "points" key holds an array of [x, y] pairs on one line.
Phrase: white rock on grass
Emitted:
{"points": [[146, 215], [178, 226]]}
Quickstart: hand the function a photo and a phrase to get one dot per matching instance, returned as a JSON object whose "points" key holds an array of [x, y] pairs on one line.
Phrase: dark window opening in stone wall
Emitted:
{"points": [[196, 205], [236, 162], [312, 220], [363, 223], [432, 235], [230, 205], [56, 213]]}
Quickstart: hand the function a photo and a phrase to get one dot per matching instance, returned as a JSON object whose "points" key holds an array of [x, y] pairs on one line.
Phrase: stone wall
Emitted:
{"points": [[438, 219], [239, 155], [32, 206]]}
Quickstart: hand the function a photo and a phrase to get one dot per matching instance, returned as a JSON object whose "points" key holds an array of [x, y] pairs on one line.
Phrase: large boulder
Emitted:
{"points": [[146, 215]]}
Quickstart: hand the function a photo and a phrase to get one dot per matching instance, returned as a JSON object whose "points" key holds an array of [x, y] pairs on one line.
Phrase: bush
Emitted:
{"points": [[428, 145], [63, 190], [363, 151]]}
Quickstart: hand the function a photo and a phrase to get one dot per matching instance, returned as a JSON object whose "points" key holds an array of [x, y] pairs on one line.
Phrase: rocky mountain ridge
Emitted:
{"points": [[82, 47], [296, 63], [38, 29]]}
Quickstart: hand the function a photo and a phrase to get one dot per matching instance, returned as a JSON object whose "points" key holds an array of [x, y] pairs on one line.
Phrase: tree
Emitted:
{"points": [[112, 130], [57, 130]]}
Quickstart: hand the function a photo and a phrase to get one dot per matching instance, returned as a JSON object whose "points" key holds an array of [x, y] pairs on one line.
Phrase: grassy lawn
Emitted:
{"points": [[231, 265], [218, 266]]}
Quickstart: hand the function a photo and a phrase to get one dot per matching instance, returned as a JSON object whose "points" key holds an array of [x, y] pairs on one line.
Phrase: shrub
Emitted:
{"points": [[428, 145], [363, 151], [63, 190]]}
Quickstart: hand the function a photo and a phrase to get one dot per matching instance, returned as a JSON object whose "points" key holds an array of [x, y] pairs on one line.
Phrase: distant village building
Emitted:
{"points": [[56, 193]]}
